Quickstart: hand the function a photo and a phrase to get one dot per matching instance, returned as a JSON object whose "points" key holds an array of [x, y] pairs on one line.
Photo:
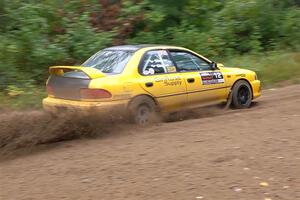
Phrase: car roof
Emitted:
{"points": [[147, 47], [138, 47]]}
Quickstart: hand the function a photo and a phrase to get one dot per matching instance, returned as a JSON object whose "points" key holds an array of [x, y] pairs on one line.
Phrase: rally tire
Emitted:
{"points": [[142, 111], [241, 95]]}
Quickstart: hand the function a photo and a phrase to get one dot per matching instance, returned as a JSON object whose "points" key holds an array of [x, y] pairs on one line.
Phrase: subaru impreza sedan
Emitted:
{"points": [[143, 80]]}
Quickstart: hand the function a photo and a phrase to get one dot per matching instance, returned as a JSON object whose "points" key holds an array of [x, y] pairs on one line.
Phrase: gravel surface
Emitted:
{"points": [[233, 154]]}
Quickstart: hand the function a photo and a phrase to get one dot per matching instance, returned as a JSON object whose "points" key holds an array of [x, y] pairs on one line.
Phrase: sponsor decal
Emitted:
{"points": [[171, 69], [172, 83], [209, 78], [169, 81]]}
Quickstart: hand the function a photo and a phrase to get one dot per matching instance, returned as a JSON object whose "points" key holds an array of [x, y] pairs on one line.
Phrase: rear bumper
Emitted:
{"points": [[256, 87], [54, 105]]}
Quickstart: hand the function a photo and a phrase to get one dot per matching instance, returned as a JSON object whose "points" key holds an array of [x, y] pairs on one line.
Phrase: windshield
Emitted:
{"points": [[109, 61]]}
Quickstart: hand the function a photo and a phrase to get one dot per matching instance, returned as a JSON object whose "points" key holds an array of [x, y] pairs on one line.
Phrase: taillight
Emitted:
{"points": [[86, 93], [50, 90]]}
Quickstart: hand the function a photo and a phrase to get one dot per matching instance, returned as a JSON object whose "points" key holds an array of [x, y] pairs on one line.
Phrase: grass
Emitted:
{"points": [[273, 69], [28, 98]]}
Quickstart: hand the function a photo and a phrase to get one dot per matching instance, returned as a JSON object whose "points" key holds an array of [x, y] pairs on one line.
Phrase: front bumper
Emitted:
{"points": [[256, 87], [55, 105]]}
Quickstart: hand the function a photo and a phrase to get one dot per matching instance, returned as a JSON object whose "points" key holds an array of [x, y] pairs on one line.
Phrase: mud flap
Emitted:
{"points": [[229, 100]]}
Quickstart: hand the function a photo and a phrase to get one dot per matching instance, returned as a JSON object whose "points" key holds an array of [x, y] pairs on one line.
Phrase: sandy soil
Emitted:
{"points": [[235, 154]]}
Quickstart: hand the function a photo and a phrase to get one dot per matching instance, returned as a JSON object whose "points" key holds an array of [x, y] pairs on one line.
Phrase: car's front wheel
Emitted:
{"points": [[142, 110], [241, 95]]}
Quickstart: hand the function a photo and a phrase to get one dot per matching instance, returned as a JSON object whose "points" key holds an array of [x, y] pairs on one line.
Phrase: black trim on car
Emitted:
{"points": [[192, 92]]}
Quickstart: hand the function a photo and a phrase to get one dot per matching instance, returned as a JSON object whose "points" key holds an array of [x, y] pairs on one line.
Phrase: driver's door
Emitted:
{"points": [[204, 85]]}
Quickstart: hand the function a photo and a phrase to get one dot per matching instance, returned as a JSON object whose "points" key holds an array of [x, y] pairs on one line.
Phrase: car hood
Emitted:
{"points": [[236, 70]]}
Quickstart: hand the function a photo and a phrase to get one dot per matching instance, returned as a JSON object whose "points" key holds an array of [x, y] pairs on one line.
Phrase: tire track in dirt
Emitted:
{"points": [[221, 155]]}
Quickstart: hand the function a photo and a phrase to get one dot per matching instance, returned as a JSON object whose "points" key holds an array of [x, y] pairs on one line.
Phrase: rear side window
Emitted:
{"points": [[113, 61], [186, 61], [156, 62]]}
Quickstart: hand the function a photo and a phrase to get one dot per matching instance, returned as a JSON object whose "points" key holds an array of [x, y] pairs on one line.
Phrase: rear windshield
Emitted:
{"points": [[109, 61]]}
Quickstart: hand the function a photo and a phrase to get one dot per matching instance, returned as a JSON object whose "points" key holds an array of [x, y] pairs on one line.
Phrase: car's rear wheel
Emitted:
{"points": [[241, 95], [143, 110]]}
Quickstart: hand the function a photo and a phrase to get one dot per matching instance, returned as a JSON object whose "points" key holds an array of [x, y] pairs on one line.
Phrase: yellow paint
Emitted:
{"points": [[171, 91], [53, 104]]}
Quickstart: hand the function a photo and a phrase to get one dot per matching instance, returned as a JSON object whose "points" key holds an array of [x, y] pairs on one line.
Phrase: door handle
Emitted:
{"points": [[149, 84], [190, 80]]}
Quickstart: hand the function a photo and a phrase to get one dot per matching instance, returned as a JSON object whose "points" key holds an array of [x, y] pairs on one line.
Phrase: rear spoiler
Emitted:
{"points": [[89, 71]]}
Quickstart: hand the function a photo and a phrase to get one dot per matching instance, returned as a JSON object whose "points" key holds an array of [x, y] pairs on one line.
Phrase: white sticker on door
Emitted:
{"points": [[209, 78]]}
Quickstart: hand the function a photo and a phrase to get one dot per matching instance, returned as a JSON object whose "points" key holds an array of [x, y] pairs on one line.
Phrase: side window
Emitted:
{"points": [[156, 62], [188, 62]]}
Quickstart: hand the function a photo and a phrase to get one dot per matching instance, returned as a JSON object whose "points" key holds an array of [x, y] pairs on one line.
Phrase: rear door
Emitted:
{"points": [[161, 79], [204, 85]]}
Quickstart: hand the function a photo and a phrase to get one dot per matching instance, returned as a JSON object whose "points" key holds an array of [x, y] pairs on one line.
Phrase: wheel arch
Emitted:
{"points": [[144, 95], [242, 79]]}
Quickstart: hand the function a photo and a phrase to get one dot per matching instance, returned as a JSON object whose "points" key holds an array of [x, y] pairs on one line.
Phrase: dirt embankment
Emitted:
{"points": [[234, 154]]}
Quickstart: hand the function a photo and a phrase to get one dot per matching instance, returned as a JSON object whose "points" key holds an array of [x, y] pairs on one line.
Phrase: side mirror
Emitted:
{"points": [[214, 66]]}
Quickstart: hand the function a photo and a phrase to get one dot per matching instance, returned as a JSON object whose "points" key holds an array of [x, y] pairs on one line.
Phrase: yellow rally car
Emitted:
{"points": [[146, 79]]}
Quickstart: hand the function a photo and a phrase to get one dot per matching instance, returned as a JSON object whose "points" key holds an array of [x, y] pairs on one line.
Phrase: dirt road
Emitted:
{"points": [[248, 154]]}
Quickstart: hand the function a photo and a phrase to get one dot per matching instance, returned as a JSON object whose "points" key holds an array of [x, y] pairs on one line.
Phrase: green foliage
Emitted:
{"points": [[82, 40], [290, 30], [22, 98], [37, 34], [272, 67], [218, 28]]}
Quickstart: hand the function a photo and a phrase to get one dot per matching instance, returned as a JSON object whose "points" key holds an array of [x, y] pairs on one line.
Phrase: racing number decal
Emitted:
{"points": [[209, 78]]}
